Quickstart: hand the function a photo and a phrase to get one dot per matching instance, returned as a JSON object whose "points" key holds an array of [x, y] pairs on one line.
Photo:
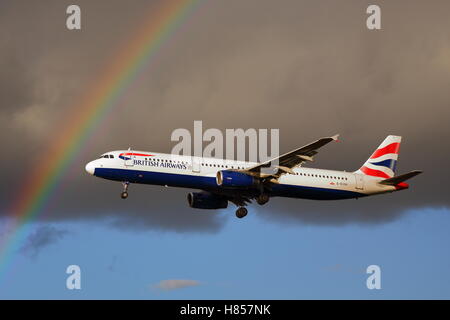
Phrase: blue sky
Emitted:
{"points": [[250, 258]]}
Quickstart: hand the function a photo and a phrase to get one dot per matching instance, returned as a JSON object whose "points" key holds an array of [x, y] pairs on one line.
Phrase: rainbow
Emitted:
{"points": [[37, 191]]}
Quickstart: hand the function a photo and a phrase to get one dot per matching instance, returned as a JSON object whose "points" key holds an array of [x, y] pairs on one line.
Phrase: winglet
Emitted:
{"points": [[335, 137]]}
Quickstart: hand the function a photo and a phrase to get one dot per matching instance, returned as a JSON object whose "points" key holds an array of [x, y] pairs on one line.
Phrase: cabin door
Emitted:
{"points": [[196, 164], [359, 181], [129, 159]]}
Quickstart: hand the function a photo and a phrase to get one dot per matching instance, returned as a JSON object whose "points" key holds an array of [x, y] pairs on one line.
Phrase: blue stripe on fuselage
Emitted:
{"points": [[315, 193], [209, 183]]}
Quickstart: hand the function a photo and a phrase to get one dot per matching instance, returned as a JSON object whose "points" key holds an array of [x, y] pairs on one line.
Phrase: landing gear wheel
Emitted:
{"points": [[124, 193], [241, 212], [262, 199]]}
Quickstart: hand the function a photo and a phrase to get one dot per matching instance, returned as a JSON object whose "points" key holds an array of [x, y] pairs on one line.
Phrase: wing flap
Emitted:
{"points": [[294, 158]]}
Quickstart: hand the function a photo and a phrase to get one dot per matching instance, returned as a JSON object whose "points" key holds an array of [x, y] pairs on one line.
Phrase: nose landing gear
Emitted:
{"points": [[124, 193]]}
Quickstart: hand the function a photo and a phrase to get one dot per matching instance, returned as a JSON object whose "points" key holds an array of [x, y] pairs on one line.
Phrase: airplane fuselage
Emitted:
{"points": [[201, 173]]}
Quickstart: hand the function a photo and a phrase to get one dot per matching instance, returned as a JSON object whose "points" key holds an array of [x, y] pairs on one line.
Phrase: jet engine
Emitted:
{"points": [[227, 178], [206, 200]]}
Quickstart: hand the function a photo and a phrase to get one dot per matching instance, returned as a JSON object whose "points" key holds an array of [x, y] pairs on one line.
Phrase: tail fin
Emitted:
{"points": [[383, 161]]}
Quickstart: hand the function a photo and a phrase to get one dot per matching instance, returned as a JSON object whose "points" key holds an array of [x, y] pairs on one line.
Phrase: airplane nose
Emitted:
{"points": [[90, 168]]}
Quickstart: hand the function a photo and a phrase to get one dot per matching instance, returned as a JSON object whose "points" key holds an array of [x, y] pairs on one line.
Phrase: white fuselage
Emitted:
{"points": [[200, 173]]}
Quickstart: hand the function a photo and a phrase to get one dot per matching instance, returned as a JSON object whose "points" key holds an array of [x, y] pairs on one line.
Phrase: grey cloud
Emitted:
{"points": [[16, 87], [173, 284], [42, 237], [309, 68]]}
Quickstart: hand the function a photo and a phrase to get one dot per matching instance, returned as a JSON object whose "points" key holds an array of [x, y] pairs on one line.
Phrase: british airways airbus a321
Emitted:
{"points": [[239, 182]]}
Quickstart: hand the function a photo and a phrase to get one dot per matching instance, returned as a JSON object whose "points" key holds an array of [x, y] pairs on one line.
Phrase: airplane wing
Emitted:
{"points": [[286, 162]]}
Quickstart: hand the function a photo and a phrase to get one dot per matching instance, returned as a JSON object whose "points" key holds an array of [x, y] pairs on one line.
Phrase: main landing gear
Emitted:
{"points": [[262, 199], [241, 212], [124, 193]]}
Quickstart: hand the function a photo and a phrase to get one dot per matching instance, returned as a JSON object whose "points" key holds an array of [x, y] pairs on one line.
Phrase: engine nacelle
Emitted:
{"points": [[226, 178], [206, 200]]}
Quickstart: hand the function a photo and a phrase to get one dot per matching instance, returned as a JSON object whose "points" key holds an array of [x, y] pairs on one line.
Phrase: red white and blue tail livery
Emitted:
{"points": [[383, 161], [240, 182]]}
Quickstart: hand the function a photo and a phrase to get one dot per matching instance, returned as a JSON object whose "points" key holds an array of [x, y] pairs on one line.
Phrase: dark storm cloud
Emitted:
{"points": [[41, 238], [16, 86], [309, 68]]}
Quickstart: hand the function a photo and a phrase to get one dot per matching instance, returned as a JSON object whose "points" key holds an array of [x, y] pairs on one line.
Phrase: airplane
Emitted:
{"points": [[240, 182]]}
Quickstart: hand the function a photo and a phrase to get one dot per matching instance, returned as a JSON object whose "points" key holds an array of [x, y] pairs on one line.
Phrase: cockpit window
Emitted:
{"points": [[107, 156]]}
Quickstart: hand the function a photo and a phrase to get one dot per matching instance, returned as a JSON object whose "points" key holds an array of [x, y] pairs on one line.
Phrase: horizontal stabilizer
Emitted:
{"points": [[398, 179]]}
